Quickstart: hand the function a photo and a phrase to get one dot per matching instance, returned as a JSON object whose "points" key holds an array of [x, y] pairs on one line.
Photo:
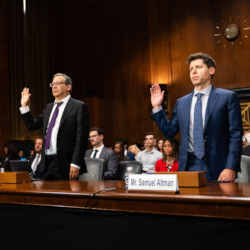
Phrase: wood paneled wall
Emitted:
{"points": [[114, 50], [4, 73], [193, 25], [111, 50]]}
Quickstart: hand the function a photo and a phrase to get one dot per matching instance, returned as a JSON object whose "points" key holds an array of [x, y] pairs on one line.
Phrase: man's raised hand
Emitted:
{"points": [[25, 97], [156, 95]]}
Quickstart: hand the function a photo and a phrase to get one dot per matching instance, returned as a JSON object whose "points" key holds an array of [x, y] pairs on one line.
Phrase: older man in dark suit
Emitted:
{"points": [[65, 125], [99, 151]]}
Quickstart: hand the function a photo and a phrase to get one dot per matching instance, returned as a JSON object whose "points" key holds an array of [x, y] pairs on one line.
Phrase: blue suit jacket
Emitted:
{"points": [[222, 130]]}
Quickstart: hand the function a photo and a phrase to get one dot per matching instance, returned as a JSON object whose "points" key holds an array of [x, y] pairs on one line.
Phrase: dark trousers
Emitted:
{"points": [[195, 164], [53, 169]]}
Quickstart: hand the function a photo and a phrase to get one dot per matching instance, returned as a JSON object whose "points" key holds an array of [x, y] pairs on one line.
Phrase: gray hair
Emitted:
{"points": [[68, 80]]}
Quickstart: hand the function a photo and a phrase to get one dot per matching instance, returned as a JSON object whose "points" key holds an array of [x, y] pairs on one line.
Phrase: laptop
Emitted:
{"points": [[17, 165]]}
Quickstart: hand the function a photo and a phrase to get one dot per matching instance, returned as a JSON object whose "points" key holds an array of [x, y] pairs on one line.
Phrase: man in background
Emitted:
{"points": [[99, 151], [149, 156], [35, 160]]}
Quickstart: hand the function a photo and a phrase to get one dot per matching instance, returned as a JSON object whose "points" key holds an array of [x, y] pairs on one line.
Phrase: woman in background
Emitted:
{"points": [[169, 161], [160, 144]]}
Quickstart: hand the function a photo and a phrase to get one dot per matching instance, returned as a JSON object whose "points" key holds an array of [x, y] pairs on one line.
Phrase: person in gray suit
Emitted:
{"points": [[99, 151]]}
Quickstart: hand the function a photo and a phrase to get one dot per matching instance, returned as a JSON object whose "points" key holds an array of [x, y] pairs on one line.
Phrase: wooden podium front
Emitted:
{"points": [[189, 178], [14, 177]]}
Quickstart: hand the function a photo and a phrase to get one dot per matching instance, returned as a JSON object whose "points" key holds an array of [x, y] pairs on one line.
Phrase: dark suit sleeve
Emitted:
{"points": [[168, 128], [235, 133], [30, 164], [112, 166], [82, 131], [33, 123]]}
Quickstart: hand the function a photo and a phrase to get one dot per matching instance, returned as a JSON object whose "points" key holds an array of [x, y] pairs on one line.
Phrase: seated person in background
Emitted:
{"points": [[149, 156], [169, 161], [160, 144], [126, 152], [32, 153], [99, 151], [246, 144], [119, 149], [21, 155], [5, 156], [36, 159]]}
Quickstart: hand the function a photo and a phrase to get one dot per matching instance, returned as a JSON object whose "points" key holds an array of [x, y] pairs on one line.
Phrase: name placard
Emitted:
{"points": [[153, 182]]}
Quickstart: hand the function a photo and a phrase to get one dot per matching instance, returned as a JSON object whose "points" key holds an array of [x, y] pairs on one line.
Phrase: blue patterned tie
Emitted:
{"points": [[199, 148]]}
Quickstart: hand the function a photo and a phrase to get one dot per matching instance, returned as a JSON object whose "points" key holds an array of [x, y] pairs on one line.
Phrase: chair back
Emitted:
{"points": [[127, 167], [17, 165], [95, 169], [244, 174]]}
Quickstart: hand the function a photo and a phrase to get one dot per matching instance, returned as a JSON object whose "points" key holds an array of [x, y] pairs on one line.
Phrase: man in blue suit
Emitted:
{"points": [[209, 122]]}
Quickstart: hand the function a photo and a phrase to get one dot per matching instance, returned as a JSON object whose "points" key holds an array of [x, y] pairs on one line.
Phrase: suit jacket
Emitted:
{"points": [[110, 162], [31, 159], [72, 137], [222, 130]]}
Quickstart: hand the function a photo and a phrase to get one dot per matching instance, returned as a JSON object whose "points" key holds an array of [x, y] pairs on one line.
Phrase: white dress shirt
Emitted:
{"points": [[53, 147], [35, 162], [99, 150], [204, 100]]}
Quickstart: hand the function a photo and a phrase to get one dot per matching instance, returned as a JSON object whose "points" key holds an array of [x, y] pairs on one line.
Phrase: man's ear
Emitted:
{"points": [[69, 87], [211, 70]]}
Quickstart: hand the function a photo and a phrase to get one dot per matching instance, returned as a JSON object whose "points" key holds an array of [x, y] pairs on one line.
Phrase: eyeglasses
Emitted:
{"points": [[52, 84], [92, 136]]}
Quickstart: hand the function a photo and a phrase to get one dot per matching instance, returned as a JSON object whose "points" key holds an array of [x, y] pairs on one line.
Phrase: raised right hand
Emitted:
{"points": [[156, 95], [25, 97]]}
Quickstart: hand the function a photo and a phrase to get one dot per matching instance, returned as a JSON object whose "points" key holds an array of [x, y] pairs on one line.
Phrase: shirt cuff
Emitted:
{"points": [[155, 110], [24, 110], [74, 165]]}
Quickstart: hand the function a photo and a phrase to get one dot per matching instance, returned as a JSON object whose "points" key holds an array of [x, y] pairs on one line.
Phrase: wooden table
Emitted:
{"points": [[227, 200], [112, 212]]}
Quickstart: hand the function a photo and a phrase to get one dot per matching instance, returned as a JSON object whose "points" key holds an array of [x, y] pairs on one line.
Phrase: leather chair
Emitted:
{"points": [[17, 165], [126, 167], [95, 169], [244, 175]]}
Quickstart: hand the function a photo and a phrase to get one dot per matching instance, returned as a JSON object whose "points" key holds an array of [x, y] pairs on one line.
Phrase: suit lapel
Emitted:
{"points": [[89, 152], [210, 105], [102, 155], [186, 110], [66, 112]]}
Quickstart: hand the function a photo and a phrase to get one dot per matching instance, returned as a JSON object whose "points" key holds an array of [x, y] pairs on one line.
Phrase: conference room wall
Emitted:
{"points": [[4, 73], [114, 50]]}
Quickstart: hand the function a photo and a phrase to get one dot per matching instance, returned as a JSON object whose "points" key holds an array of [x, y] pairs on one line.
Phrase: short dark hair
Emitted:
{"points": [[208, 60], [98, 130], [39, 138], [68, 80], [149, 133]]}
